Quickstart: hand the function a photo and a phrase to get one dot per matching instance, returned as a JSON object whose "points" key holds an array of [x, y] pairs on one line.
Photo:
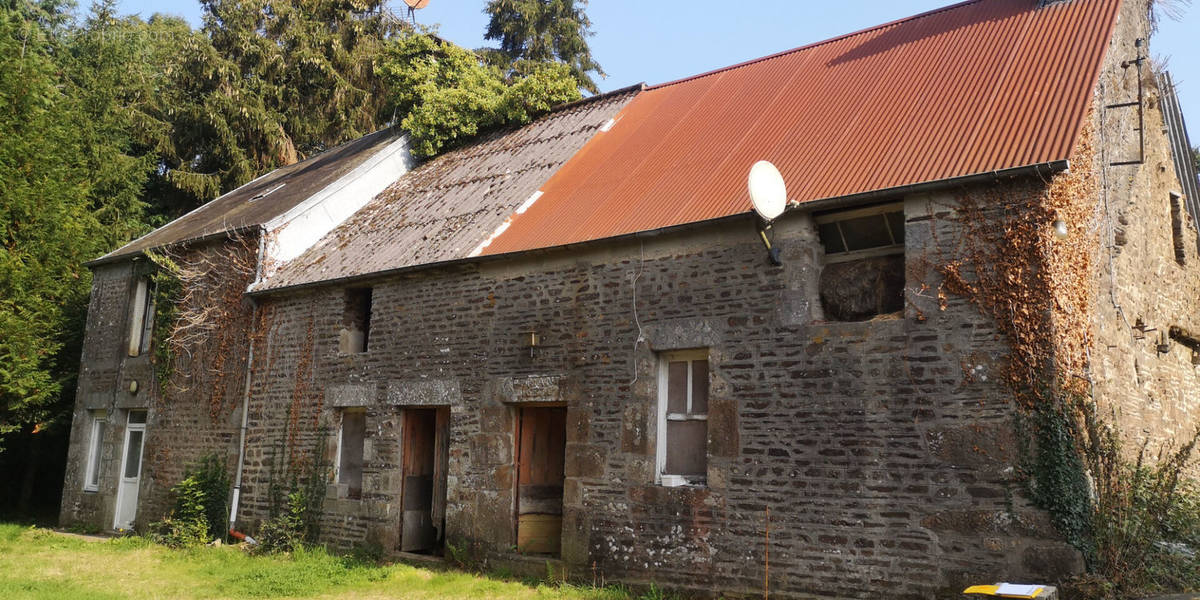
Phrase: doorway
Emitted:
{"points": [[426, 447], [541, 456], [131, 470]]}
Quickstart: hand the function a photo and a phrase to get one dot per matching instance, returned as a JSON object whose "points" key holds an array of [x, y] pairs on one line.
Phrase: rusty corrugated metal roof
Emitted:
{"points": [[977, 87], [447, 207], [234, 210]]}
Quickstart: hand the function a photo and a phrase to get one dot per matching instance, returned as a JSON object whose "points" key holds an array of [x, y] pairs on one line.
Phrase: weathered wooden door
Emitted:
{"points": [[423, 494], [541, 455]]}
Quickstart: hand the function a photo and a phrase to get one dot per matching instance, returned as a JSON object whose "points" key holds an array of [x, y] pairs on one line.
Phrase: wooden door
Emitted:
{"points": [[423, 465], [541, 455]]}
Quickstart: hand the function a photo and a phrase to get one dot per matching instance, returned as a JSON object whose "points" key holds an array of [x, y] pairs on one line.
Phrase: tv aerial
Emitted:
{"points": [[413, 7], [768, 195]]}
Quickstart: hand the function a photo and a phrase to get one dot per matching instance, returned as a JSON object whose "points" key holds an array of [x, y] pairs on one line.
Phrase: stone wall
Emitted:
{"points": [[182, 425], [1143, 290], [883, 449]]}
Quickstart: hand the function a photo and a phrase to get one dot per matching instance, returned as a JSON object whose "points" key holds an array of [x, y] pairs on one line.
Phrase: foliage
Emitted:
{"points": [[449, 95], [263, 84], [201, 503], [1196, 157], [187, 525], [213, 478], [1057, 478], [65, 197], [296, 489], [1147, 522], [284, 532], [533, 32]]}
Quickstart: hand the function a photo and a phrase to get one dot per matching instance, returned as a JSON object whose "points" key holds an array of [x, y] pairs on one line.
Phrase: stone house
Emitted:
{"points": [[565, 342]]}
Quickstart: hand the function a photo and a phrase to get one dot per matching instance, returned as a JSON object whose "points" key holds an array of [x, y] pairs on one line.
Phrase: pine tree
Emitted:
{"points": [[541, 31]]}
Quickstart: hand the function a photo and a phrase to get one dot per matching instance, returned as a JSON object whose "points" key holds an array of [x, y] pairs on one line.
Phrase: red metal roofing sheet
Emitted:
{"points": [[972, 88]]}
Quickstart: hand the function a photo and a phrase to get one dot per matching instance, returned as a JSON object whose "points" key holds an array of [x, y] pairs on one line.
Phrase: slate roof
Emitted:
{"points": [[973, 88], [444, 209], [234, 210]]}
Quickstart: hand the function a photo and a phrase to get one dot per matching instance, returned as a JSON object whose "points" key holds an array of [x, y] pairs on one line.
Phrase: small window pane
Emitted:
{"points": [[687, 448], [866, 232], [699, 387], [677, 372], [831, 238], [896, 221], [137, 417], [350, 465], [133, 455]]}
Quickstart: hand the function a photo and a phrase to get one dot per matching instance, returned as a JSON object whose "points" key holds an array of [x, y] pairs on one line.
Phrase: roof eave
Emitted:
{"points": [[1043, 169]]}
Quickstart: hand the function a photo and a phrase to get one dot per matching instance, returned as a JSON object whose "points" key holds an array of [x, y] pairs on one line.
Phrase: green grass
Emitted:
{"points": [[38, 563]]}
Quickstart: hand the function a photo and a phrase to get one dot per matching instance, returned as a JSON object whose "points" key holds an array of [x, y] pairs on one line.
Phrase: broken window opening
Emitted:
{"points": [[356, 321], [350, 451], [683, 418], [141, 323], [863, 275]]}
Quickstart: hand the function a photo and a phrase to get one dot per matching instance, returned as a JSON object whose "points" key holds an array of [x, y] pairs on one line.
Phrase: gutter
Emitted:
{"points": [[1044, 169]]}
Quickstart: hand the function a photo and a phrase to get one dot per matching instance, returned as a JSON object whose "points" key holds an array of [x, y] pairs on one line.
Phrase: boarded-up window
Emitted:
{"points": [[356, 321], [95, 447], [350, 451], [683, 398], [863, 275]]}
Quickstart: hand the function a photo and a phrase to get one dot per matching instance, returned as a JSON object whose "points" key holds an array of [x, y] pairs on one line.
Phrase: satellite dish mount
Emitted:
{"points": [[413, 7], [768, 195]]}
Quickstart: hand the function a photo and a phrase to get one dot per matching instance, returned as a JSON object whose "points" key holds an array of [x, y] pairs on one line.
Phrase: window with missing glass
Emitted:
{"points": [[683, 417], [863, 272], [350, 450]]}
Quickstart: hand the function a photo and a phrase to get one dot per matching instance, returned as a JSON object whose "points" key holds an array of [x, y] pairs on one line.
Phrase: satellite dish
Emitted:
{"points": [[768, 193], [416, 4]]}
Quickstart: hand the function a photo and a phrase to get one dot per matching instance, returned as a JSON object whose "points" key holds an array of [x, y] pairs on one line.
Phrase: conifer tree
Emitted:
{"points": [[542, 31]]}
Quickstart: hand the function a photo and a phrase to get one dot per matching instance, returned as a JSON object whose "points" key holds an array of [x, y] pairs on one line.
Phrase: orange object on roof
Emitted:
{"points": [[977, 87]]}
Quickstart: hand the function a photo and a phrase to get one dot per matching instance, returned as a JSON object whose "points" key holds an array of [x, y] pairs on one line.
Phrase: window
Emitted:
{"points": [[683, 417], [863, 275], [356, 321], [1177, 221], [91, 479], [350, 450], [141, 323]]}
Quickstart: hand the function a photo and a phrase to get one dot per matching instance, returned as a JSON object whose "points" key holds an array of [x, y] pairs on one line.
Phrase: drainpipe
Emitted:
{"points": [[241, 462]]}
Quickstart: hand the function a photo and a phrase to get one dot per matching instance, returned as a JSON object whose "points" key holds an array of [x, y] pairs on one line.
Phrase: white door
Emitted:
{"points": [[131, 470]]}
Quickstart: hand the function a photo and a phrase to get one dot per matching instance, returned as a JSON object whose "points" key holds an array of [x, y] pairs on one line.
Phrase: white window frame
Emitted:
{"points": [[95, 447], [664, 361]]}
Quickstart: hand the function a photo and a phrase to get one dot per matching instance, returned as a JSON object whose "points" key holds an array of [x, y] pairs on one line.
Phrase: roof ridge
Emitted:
{"points": [[831, 40]]}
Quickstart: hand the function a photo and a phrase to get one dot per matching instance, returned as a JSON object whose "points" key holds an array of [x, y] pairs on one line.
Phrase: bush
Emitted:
{"points": [[187, 525], [286, 531]]}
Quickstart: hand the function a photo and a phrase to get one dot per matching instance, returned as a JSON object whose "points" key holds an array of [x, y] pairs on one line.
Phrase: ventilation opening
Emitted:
{"points": [[1177, 227], [863, 275], [356, 321]]}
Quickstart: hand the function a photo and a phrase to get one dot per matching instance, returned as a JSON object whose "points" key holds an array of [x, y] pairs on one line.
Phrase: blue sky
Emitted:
{"points": [[662, 40]]}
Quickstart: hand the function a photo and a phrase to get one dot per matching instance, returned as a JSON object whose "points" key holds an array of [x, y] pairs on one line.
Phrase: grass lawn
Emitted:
{"points": [[38, 563]]}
